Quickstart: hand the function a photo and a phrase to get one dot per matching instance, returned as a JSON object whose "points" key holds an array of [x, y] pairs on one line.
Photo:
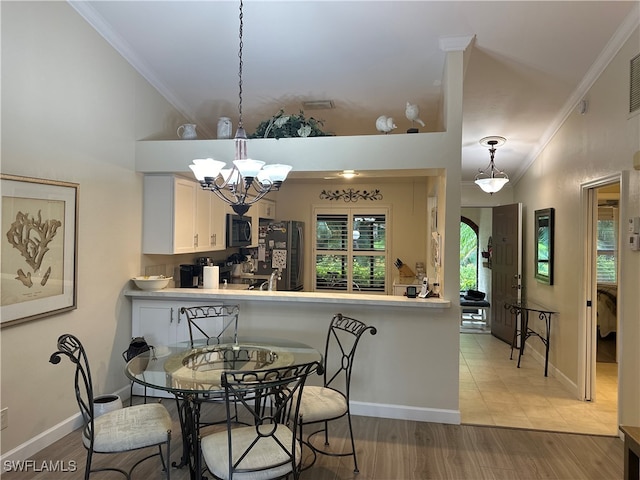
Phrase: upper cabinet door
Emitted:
{"points": [[202, 237], [168, 215], [184, 233], [217, 239], [180, 217]]}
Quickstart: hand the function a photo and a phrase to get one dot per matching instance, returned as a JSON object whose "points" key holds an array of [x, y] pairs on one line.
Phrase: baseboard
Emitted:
{"points": [[51, 435], [405, 412], [398, 412], [552, 371]]}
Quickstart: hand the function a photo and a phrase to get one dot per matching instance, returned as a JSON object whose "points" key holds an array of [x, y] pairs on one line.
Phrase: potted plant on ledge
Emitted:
{"points": [[288, 126]]}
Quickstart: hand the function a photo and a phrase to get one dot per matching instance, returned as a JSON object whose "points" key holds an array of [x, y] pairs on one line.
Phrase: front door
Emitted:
{"points": [[506, 268]]}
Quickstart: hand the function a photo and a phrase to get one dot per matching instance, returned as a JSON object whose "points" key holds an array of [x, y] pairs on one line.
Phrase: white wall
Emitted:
{"points": [[72, 109]]}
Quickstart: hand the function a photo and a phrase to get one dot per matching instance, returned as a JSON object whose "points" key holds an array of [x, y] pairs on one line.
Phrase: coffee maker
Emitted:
{"points": [[190, 275]]}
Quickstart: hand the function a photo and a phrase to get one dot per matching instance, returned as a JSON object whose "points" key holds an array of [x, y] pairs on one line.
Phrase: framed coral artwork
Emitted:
{"points": [[39, 248]]}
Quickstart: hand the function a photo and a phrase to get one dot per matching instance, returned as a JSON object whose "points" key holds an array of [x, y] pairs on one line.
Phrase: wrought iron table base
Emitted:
{"points": [[524, 332]]}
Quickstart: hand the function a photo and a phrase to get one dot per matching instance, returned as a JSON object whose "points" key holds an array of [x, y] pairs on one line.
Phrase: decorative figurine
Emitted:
{"points": [[385, 124]]}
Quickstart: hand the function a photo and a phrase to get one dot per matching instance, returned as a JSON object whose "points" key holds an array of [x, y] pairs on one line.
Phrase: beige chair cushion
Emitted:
{"points": [[130, 428], [265, 453], [320, 403]]}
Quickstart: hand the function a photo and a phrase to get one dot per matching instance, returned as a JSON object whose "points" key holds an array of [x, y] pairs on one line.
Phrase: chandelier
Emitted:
{"points": [[491, 180], [248, 180]]}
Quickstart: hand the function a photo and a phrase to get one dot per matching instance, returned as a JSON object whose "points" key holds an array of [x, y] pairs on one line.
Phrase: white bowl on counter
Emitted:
{"points": [[151, 282]]}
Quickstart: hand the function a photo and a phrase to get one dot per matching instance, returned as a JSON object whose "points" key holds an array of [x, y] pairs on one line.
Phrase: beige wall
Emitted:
{"points": [[72, 109], [408, 214], [587, 148]]}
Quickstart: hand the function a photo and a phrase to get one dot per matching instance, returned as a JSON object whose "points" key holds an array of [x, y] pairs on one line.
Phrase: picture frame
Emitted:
{"points": [[39, 249], [544, 245]]}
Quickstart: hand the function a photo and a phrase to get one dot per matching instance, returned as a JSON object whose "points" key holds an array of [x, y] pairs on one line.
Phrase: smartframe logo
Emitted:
{"points": [[37, 466]]}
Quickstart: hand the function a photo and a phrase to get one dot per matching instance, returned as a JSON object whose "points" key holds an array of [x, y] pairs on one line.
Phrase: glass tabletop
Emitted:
{"points": [[183, 369]]}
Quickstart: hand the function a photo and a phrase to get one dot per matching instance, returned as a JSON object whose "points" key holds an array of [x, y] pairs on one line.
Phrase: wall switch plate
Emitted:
{"points": [[4, 418], [634, 225]]}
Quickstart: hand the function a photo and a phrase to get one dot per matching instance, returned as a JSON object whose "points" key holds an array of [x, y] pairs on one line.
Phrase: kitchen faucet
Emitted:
{"points": [[272, 283]]}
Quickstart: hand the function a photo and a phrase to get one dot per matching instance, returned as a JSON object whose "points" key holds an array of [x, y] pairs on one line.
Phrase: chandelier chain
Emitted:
{"points": [[241, 16], [233, 185]]}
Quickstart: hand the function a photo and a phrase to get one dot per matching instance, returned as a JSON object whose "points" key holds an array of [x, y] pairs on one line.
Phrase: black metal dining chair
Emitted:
{"points": [[210, 324], [270, 445], [323, 404], [121, 430]]}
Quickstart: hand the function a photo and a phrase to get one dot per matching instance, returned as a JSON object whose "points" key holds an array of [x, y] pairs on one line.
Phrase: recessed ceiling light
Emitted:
{"points": [[318, 105], [348, 174]]}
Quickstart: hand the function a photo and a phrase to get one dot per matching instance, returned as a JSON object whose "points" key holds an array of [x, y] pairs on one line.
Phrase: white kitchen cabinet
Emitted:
{"points": [[161, 324], [218, 218], [202, 232], [180, 217], [168, 214]]}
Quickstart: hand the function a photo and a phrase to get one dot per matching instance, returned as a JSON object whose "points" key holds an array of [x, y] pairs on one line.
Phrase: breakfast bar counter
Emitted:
{"points": [[236, 295], [409, 370]]}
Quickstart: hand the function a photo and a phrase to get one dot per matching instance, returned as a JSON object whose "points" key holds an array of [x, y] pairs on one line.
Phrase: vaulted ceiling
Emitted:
{"points": [[528, 66]]}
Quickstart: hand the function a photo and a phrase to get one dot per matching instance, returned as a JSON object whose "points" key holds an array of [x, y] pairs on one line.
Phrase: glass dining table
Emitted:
{"points": [[192, 373]]}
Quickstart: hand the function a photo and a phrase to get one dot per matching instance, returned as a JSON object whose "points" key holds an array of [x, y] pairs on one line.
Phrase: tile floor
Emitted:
{"points": [[494, 392]]}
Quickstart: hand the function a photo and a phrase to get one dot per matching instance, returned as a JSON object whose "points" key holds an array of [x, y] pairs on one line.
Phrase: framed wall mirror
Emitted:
{"points": [[543, 242]]}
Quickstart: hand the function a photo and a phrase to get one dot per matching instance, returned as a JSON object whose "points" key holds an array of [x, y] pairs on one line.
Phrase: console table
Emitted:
{"points": [[523, 332]]}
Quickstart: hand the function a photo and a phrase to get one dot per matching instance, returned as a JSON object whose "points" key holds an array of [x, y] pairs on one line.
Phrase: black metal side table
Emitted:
{"points": [[522, 310]]}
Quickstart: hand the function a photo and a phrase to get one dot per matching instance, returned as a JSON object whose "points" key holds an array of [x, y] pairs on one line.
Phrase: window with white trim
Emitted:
{"points": [[350, 249], [607, 254]]}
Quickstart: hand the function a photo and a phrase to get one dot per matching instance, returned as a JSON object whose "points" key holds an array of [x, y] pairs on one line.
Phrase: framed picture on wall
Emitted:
{"points": [[39, 248], [543, 255]]}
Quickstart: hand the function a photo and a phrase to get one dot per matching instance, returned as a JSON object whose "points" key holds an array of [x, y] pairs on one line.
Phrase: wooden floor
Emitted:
{"points": [[397, 450]]}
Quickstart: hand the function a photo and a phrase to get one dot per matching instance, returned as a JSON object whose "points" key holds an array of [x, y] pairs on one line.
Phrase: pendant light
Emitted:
{"points": [[248, 180], [491, 180]]}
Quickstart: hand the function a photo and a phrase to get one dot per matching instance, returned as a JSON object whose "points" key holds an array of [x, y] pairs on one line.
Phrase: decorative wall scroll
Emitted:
{"points": [[351, 195], [39, 248]]}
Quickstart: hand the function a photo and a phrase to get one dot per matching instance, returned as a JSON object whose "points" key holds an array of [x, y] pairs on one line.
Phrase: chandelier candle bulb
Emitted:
{"points": [[211, 277]]}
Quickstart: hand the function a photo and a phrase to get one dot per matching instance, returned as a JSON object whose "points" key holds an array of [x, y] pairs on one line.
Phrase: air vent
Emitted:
{"points": [[634, 97], [318, 105]]}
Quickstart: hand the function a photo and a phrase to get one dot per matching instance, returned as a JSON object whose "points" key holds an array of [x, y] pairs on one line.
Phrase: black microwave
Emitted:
{"points": [[238, 231]]}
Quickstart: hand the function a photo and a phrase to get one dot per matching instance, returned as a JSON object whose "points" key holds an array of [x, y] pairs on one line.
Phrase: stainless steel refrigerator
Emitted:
{"points": [[280, 245]]}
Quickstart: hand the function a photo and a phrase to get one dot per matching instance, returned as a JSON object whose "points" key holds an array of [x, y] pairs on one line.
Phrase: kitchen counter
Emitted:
{"points": [[418, 337], [238, 292]]}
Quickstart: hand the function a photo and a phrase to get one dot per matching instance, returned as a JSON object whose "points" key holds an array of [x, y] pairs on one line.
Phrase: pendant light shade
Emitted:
{"points": [[491, 180]]}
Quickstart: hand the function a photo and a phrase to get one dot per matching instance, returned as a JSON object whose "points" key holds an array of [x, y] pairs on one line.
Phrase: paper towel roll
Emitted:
{"points": [[211, 277]]}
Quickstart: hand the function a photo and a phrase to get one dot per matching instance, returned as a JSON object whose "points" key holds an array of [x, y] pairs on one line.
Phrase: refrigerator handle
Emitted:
{"points": [[300, 254]]}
